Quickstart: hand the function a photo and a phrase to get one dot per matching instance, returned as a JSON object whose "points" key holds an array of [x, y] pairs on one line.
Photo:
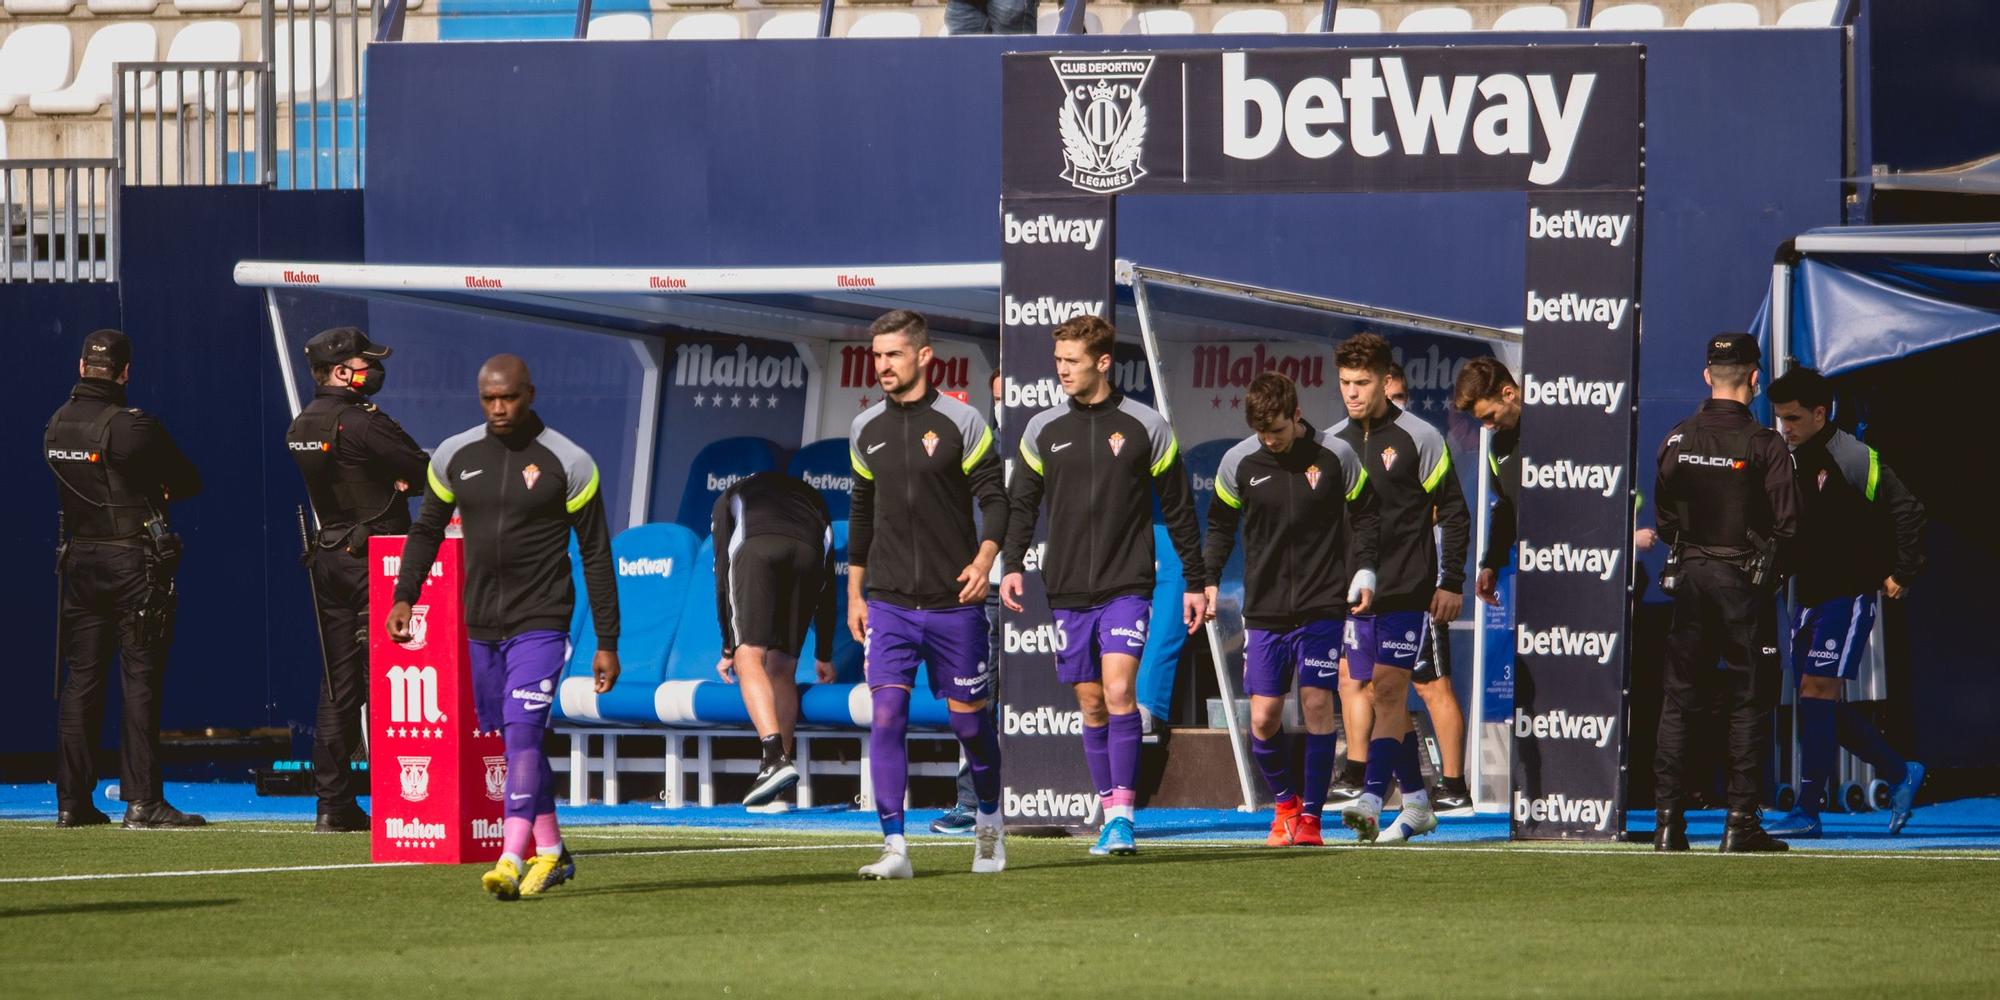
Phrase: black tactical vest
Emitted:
{"points": [[98, 500], [1723, 487], [341, 492]]}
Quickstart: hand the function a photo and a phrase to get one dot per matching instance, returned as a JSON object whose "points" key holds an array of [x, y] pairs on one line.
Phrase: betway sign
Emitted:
{"points": [[1379, 107]]}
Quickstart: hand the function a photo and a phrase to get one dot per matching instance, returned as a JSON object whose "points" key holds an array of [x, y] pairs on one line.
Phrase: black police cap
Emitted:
{"points": [[335, 346], [1733, 349], [107, 349]]}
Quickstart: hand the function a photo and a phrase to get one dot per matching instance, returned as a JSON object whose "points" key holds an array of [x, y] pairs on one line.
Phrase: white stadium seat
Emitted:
{"points": [[299, 56], [3, 140], [1255, 21], [1723, 15], [210, 40], [1811, 14], [1047, 22], [123, 6], [1348, 21], [1539, 18], [1629, 16], [1436, 19], [708, 27], [887, 24], [797, 24], [619, 27], [284, 5], [209, 6], [126, 41], [40, 6], [33, 60], [1159, 22]]}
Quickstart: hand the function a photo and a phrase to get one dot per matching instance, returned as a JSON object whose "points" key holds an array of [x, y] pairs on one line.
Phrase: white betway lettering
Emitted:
{"points": [[1563, 641], [410, 829], [829, 481], [1040, 639], [392, 567], [1048, 310], [645, 567], [1565, 390], [1424, 110], [698, 364], [1560, 725], [1562, 557], [1031, 561], [1052, 229], [1594, 813], [1046, 803], [1569, 307], [1563, 474], [1044, 720], [717, 484], [1575, 224], [1040, 394]]}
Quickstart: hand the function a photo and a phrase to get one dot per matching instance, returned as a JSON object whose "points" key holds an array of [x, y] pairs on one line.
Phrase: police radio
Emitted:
{"points": [[1670, 574]]}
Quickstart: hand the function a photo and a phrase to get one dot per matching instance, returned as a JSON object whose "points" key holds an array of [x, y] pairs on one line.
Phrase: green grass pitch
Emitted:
{"points": [[690, 913]]}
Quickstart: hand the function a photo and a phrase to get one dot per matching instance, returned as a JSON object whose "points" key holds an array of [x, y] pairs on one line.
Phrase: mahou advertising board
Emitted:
{"points": [[436, 781]]}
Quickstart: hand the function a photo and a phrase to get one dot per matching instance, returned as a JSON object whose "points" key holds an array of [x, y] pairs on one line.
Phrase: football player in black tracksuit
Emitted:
{"points": [[1309, 533], [774, 579], [359, 466], [1730, 508], [1417, 589], [116, 467], [521, 489], [918, 572], [1861, 530], [1098, 459]]}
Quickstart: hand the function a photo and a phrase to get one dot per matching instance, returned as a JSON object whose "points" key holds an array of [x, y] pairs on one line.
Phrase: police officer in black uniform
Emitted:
{"points": [[359, 466], [116, 468], [1729, 507]]}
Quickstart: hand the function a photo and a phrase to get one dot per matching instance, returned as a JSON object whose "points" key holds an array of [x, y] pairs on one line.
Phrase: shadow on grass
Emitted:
{"points": [[115, 907]]}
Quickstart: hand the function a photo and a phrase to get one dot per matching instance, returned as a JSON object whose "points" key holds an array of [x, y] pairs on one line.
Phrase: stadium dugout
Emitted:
{"points": [[1185, 334]]}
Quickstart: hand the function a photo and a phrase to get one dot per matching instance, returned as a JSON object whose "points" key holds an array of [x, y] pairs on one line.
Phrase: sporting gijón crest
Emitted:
{"points": [[1102, 120]]}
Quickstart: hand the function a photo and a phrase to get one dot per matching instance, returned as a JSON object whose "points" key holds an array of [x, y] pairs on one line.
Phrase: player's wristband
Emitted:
{"points": [[1364, 579]]}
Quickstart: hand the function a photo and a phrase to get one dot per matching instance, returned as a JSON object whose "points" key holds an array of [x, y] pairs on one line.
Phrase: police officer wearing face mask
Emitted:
{"points": [[1729, 507], [358, 465], [116, 467]]}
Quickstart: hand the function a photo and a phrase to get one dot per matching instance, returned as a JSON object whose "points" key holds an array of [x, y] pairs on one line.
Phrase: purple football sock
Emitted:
{"points": [[1097, 754], [1271, 760], [1319, 772], [1381, 764], [1863, 740], [545, 800], [889, 755], [1124, 751], [1816, 751], [1409, 771], [525, 761], [982, 755]]}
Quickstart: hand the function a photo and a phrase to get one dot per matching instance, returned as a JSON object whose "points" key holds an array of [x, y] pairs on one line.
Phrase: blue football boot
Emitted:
{"points": [[1116, 839], [1903, 800], [1796, 825]]}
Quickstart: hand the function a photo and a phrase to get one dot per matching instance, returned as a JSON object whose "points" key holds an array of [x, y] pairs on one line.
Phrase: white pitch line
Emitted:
{"points": [[1635, 852], [212, 871]]}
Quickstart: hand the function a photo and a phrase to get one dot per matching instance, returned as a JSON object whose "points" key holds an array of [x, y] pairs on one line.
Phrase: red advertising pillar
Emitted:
{"points": [[436, 781]]}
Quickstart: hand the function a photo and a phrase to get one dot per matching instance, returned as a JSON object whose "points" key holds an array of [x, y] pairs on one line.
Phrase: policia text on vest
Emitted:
{"points": [[359, 465], [116, 468]]}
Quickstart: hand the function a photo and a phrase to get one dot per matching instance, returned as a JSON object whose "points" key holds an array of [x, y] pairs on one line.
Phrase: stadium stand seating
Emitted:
{"points": [[1157, 21], [886, 24], [209, 6], [1541, 17], [1255, 21], [1349, 21], [34, 60], [123, 6], [1437, 20], [1723, 15], [792, 24], [708, 25], [1048, 21], [1629, 16], [1810, 14], [125, 41], [203, 41], [714, 468], [40, 6], [625, 27]]}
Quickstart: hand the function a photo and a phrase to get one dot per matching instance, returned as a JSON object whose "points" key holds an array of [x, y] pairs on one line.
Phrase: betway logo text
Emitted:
{"points": [[1045, 720], [1052, 229], [699, 364], [645, 567], [1040, 639], [1563, 474], [1578, 225], [1047, 803], [1048, 310], [1430, 109], [1562, 557], [1563, 641], [1560, 725], [1569, 307], [1568, 391], [1216, 366], [829, 481], [410, 829], [1594, 813]]}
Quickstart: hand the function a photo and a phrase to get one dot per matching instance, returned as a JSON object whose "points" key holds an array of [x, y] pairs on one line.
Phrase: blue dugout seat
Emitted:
{"points": [[826, 466], [715, 468]]}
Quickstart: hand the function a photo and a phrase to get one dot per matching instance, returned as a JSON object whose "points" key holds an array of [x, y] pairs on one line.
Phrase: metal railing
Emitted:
{"points": [[326, 164], [58, 218], [213, 137]]}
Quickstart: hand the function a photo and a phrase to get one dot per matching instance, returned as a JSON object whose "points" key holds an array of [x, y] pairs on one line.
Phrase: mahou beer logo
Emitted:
{"points": [[1103, 121]]}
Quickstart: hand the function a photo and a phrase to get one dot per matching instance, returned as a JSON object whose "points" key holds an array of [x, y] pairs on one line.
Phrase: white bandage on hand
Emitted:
{"points": [[1364, 579]]}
